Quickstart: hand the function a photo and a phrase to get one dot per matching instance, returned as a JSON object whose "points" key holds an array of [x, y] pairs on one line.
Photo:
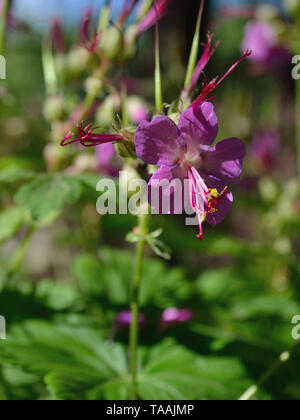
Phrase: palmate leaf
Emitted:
{"points": [[175, 373], [46, 195], [78, 357], [78, 364]]}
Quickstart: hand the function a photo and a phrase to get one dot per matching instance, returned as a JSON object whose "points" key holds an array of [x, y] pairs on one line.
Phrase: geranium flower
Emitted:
{"points": [[88, 138], [124, 319], [156, 13], [185, 152], [261, 37], [266, 149], [171, 316]]}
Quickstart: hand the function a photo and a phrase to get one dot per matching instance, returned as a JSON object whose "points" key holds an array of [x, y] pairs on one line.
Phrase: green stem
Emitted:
{"points": [[3, 19], [283, 358], [298, 123], [104, 18], [158, 84], [49, 67], [134, 327], [195, 47]]}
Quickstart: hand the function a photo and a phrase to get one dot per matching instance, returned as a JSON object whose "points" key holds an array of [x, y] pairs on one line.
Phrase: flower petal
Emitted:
{"points": [[157, 142], [225, 202], [225, 159], [199, 126], [108, 160], [166, 198]]}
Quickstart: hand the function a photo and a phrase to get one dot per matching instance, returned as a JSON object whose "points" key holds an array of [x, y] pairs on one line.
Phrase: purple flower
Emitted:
{"points": [[88, 138], [108, 161], [266, 148], [156, 12], [124, 319], [261, 38], [185, 152], [175, 316], [137, 110]]}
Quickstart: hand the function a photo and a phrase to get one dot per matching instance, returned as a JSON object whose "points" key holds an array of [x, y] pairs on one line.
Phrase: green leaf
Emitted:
{"points": [[216, 284], [57, 296], [77, 363], [117, 275], [11, 221], [174, 372], [265, 306], [89, 274], [74, 360], [46, 196], [13, 174]]}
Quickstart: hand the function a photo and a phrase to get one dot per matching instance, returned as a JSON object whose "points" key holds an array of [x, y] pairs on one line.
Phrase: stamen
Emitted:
{"points": [[203, 200]]}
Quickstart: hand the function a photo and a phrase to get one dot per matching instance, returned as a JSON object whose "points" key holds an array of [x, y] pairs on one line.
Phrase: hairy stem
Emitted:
{"points": [[134, 327], [158, 83]]}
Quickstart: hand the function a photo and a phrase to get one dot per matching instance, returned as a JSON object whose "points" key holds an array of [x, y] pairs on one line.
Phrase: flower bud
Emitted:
{"points": [[137, 109], [111, 42], [105, 114], [54, 108], [126, 149], [92, 85], [78, 60]]}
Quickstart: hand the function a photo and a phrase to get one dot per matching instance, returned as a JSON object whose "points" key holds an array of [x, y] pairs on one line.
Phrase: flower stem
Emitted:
{"points": [[195, 47], [133, 339], [3, 18], [158, 83], [283, 358], [298, 123]]}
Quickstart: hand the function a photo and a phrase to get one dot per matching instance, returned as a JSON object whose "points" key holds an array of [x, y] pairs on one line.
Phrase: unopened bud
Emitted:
{"points": [[111, 42], [92, 85], [78, 60], [54, 108], [106, 112]]}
